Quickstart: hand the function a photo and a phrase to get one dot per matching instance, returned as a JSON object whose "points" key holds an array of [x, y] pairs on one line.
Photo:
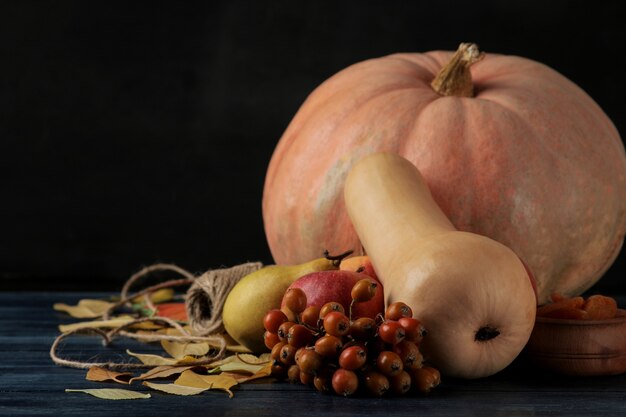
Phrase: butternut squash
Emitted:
{"points": [[473, 294]]}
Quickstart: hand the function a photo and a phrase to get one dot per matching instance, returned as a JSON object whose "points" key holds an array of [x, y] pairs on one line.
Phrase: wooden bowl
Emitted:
{"points": [[580, 347]]}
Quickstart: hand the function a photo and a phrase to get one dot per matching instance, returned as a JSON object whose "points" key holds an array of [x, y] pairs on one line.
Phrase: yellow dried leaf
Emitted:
{"points": [[219, 382], [112, 393], [179, 350], [240, 367], [148, 332], [172, 331], [147, 325], [159, 296], [99, 374], [175, 389], [151, 359], [85, 309], [265, 371], [261, 359], [233, 346], [262, 373], [189, 360], [238, 349], [236, 365], [243, 358], [163, 371], [156, 360], [114, 322]]}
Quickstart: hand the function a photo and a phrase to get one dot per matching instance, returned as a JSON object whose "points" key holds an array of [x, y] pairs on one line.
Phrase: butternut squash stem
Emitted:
{"points": [[455, 78]]}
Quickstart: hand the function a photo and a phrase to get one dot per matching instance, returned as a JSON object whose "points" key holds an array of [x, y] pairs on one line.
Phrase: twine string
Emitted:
{"points": [[204, 303], [125, 299], [217, 341], [206, 296], [149, 270]]}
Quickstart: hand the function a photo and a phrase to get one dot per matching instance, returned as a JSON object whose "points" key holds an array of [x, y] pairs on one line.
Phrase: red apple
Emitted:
{"points": [[359, 264], [325, 286]]}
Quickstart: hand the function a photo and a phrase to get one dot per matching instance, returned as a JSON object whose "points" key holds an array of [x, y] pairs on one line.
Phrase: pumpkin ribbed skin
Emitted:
{"points": [[530, 161]]}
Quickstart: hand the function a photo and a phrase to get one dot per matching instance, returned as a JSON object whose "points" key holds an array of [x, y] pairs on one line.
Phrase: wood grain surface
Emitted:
{"points": [[30, 384]]}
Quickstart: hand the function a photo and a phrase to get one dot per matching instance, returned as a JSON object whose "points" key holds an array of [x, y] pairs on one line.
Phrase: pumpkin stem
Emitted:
{"points": [[455, 78]]}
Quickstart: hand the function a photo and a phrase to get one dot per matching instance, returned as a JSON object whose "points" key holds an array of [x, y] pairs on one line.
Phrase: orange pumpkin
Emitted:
{"points": [[509, 148]]}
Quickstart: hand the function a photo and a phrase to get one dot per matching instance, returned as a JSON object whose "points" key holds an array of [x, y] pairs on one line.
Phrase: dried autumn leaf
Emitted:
{"points": [[262, 373], [156, 360], [99, 374], [219, 382], [181, 349], [262, 358], [245, 367], [233, 346], [265, 371], [114, 322], [147, 325], [238, 349], [159, 296], [172, 331], [174, 311], [175, 388], [240, 367], [111, 323], [244, 358], [85, 309], [112, 393], [151, 359], [163, 371]]}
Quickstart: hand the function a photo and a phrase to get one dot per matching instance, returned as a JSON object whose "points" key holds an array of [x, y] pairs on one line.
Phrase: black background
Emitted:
{"points": [[140, 132]]}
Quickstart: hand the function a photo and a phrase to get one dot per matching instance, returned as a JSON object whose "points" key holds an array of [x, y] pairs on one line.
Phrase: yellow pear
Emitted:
{"points": [[263, 290]]}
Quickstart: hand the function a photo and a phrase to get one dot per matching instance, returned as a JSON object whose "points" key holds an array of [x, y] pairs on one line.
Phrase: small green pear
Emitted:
{"points": [[263, 290]]}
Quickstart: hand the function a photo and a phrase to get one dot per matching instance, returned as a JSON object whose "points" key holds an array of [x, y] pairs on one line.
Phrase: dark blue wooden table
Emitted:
{"points": [[30, 384]]}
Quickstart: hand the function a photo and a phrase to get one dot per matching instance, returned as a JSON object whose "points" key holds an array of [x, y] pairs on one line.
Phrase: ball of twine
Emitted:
{"points": [[204, 304], [206, 296]]}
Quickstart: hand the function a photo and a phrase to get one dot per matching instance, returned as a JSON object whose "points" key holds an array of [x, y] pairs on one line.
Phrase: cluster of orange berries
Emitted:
{"points": [[327, 349]]}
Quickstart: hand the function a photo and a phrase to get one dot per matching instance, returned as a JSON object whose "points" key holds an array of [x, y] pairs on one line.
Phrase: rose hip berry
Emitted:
{"points": [[325, 348], [336, 323]]}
